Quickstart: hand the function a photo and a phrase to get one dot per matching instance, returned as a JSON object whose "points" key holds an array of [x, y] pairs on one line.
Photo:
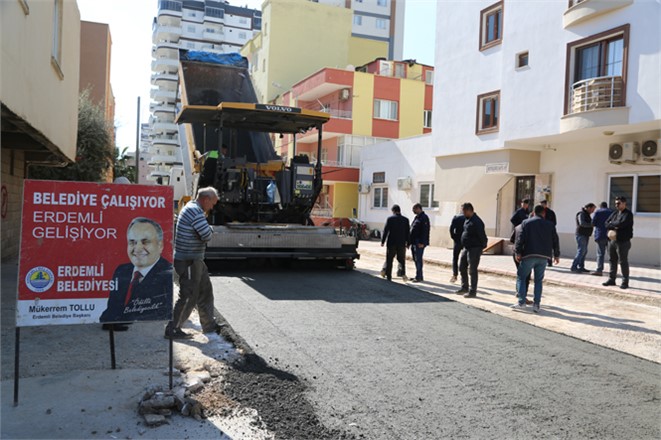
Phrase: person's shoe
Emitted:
{"points": [[597, 273], [528, 301], [624, 286], [471, 295], [389, 278], [518, 306], [115, 327], [584, 270], [609, 283], [405, 278], [461, 291], [415, 280], [535, 308], [176, 333], [453, 279], [383, 273]]}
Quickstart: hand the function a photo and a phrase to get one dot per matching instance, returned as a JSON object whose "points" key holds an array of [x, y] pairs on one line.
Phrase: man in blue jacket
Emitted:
{"points": [[537, 242], [473, 240], [601, 235], [396, 234], [419, 239]]}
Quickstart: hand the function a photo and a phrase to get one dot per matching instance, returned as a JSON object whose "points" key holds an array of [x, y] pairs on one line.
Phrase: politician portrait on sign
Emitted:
{"points": [[143, 287]]}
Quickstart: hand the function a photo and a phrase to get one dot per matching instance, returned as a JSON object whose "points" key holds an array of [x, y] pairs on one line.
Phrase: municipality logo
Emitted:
{"points": [[39, 279]]}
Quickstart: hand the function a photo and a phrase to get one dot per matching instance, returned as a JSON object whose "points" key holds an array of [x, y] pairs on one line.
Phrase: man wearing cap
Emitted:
{"points": [[620, 232]]}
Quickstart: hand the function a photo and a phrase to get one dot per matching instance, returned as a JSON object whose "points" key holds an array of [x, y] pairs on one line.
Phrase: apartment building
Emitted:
{"points": [[195, 25], [556, 100], [40, 49], [142, 166], [95, 57], [378, 101], [296, 42]]}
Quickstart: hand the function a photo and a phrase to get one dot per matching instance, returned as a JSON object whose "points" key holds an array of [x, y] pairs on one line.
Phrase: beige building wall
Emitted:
{"points": [[39, 95], [33, 86]]}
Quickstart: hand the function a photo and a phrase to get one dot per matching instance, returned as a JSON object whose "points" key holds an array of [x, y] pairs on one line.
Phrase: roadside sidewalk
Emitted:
{"points": [[645, 282]]}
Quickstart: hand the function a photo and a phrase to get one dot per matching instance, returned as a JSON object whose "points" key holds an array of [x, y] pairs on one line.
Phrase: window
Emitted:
{"points": [[190, 45], [380, 197], [429, 77], [379, 177], [521, 60], [214, 12], [427, 195], [596, 71], [243, 20], [385, 109], [427, 119], [242, 35], [491, 26], [643, 192], [191, 29], [358, 20], [324, 155], [210, 30], [56, 50], [380, 23], [488, 112], [383, 3], [400, 70]]}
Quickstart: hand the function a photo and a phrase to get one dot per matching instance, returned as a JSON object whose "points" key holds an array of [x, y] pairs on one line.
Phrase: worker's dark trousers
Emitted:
{"points": [[456, 251], [391, 253], [470, 258]]}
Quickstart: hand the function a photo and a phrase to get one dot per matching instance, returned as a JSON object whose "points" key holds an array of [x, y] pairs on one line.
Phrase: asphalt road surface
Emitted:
{"points": [[386, 361]]}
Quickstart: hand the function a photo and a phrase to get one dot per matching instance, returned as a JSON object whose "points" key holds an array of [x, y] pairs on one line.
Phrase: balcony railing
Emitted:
{"points": [[170, 5], [596, 93]]}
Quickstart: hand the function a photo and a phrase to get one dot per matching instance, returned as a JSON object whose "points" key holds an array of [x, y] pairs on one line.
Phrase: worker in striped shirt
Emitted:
{"points": [[192, 233]]}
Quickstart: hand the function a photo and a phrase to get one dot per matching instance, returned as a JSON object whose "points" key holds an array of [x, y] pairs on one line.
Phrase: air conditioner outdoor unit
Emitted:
{"points": [[650, 151], [624, 152], [404, 183], [363, 188], [345, 94]]}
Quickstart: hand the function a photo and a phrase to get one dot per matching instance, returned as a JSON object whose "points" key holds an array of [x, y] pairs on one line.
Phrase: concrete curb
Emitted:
{"points": [[653, 300]]}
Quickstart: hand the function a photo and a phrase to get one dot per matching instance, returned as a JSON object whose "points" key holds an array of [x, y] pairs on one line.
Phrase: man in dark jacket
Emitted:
{"points": [[456, 229], [549, 215], [601, 235], [521, 214], [583, 232], [620, 233], [473, 240], [537, 242], [396, 235], [419, 238]]}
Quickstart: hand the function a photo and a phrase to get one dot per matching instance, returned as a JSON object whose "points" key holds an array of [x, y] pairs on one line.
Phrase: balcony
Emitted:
{"points": [[167, 65], [596, 102], [164, 127], [164, 160], [582, 10], [172, 140], [170, 7], [160, 95], [323, 83], [162, 108], [163, 33], [214, 36], [596, 93]]}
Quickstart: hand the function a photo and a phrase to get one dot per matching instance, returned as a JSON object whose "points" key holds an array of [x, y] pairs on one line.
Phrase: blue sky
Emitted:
{"points": [[130, 27]]}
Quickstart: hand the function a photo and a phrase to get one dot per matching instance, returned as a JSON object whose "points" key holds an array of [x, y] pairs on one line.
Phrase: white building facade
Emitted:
{"points": [[196, 25], [401, 172], [552, 100]]}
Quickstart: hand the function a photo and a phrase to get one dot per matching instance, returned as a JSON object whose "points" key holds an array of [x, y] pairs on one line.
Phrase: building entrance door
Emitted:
{"points": [[525, 189]]}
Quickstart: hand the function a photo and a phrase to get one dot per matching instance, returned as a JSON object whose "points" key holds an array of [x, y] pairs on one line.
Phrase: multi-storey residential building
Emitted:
{"points": [[40, 49], [142, 167], [378, 101], [203, 25], [95, 55], [297, 41], [556, 100]]}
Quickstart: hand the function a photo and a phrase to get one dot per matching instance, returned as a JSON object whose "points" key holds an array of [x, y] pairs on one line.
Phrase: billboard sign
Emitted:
{"points": [[95, 252]]}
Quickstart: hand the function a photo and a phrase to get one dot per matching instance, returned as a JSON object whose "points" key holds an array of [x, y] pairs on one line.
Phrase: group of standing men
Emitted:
{"points": [[613, 231]]}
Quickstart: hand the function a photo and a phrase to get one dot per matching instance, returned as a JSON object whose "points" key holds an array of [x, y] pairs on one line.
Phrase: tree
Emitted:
{"points": [[94, 152], [122, 166]]}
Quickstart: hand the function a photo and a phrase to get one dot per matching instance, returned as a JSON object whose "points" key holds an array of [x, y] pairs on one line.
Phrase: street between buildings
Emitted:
{"points": [[388, 361]]}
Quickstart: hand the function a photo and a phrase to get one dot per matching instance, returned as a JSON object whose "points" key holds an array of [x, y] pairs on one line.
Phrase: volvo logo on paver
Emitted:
{"points": [[278, 108], [39, 279]]}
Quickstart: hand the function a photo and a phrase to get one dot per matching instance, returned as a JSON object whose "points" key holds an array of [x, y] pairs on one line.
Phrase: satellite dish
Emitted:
{"points": [[350, 67]]}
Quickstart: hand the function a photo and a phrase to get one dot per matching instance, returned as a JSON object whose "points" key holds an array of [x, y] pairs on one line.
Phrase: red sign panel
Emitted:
{"points": [[95, 252]]}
